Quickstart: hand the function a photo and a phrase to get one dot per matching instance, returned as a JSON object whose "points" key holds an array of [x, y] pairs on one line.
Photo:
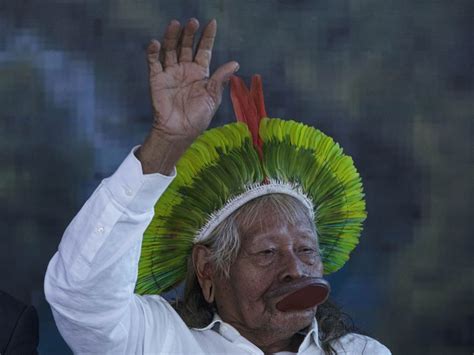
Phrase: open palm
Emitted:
{"points": [[184, 97]]}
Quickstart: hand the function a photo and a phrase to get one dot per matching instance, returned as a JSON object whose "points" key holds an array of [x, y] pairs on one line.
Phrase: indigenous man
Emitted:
{"points": [[251, 216]]}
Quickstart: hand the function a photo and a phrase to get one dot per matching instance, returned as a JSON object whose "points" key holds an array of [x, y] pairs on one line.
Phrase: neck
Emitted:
{"points": [[271, 343]]}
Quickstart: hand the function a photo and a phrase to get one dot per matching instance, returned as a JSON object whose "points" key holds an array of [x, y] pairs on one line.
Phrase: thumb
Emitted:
{"points": [[220, 78]]}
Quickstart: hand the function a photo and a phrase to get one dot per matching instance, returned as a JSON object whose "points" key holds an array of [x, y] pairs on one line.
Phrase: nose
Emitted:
{"points": [[292, 267]]}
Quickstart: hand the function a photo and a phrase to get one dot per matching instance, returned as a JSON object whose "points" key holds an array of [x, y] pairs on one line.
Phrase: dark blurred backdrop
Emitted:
{"points": [[391, 81]]}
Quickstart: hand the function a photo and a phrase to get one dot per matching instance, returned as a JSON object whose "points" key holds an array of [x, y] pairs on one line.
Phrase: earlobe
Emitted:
{"points": [[209, 293], [204, 271]]}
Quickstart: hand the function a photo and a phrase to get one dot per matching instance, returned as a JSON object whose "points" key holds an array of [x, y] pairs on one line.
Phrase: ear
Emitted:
{"points": [[204, 271]]}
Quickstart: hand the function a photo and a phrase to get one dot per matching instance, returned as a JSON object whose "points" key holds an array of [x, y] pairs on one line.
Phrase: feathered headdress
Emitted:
{"points": [[230, 165]]}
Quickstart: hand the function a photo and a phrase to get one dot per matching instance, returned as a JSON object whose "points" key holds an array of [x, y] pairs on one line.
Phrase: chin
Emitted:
{"points": [[306, 314], [294, 321]]}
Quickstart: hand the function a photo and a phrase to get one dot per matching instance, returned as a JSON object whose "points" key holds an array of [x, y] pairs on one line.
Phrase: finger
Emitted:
{"points": [[153, 58], [219, 80], [186, 49], [170, 43], [204, 52]]}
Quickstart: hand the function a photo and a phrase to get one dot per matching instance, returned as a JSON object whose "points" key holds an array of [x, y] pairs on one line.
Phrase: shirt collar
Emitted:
{"points": [[216, 320], [311, 333]]}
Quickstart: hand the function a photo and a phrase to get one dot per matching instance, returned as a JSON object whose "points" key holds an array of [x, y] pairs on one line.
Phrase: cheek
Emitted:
{"points": [[314, 267], [320, 267], [251, 286]]}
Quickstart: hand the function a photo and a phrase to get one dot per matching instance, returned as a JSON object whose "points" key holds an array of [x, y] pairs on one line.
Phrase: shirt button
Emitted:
{"points": [[128, 192], [99, 229]]}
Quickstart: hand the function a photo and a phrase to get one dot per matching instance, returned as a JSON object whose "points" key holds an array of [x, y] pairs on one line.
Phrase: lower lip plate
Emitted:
{"points": [[307, 297]]}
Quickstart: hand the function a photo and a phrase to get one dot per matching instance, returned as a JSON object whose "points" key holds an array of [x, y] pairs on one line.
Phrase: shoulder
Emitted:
{"points": [[158, 313], [164, 331], [354, 343]]}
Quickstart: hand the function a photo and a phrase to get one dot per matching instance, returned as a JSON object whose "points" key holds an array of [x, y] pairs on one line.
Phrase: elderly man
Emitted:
{"points": [[249, 250]]}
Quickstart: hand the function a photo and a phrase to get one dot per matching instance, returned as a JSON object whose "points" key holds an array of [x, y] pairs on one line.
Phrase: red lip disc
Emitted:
{"points": [[306, 297]]}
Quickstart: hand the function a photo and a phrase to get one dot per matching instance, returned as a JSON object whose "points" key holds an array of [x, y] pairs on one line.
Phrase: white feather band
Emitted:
{"points": [[252, 192]]}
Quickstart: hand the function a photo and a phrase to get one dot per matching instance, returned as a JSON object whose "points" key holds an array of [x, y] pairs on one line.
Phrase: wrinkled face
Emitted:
{"points": [[273, 254]]}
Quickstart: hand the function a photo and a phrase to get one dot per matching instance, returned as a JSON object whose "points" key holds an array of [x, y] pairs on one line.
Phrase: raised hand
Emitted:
{"points": [[184, 97]]}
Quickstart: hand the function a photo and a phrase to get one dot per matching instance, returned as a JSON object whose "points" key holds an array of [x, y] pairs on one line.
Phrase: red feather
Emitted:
{"points": [[249, 106]]}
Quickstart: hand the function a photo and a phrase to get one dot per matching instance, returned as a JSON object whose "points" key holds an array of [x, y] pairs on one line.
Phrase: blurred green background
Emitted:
{"points": [[391, 81]]}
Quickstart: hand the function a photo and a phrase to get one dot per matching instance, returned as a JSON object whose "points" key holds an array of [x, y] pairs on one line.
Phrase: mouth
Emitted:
{"points": [[301, 294]]}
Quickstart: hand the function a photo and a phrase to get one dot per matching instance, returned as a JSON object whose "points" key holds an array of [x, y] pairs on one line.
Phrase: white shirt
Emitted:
{"points": [[90, 282]]}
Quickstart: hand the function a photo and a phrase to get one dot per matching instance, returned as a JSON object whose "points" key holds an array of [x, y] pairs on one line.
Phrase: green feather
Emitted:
{"points": [[222, 163]]}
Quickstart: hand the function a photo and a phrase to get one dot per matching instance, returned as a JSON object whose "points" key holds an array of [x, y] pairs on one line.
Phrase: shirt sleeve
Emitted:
{"points": [[90, 280]]}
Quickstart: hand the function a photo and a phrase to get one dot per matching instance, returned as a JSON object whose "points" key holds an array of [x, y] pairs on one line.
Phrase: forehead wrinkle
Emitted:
{"points": [[275, 210], [261, 229]]}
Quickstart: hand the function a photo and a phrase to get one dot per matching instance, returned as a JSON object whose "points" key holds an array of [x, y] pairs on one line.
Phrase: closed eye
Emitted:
{"points": [[309, 251], [265, 257], [267, 252]]}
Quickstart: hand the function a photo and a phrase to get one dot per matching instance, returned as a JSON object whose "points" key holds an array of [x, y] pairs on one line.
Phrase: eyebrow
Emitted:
{"points": [[306, 233]]}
